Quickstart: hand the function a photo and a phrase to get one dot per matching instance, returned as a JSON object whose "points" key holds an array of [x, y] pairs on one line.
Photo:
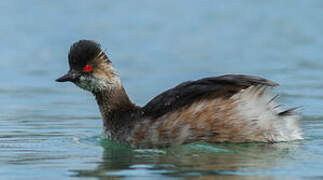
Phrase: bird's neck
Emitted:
{"points": [[114, 105]]}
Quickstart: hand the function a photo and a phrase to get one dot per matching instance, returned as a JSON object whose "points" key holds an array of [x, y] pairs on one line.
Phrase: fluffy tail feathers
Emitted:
{"points": [[259, 109]]}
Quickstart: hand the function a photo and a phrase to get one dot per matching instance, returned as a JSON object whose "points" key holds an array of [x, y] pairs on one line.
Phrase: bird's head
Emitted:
{"points": [[90, 68]]}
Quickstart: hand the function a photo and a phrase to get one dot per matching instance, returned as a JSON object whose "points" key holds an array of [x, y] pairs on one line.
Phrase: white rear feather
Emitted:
{"points": [[257, 106]]}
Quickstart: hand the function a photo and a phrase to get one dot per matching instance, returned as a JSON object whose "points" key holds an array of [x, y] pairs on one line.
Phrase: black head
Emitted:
{"points": [[90, 68], [81, 54]]}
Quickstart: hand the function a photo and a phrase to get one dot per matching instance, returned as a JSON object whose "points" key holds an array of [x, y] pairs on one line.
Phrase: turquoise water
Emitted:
{"points": [[53, 131]]}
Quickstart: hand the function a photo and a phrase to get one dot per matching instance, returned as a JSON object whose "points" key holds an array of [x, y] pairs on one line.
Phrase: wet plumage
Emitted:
{"points": [[229, 108]]}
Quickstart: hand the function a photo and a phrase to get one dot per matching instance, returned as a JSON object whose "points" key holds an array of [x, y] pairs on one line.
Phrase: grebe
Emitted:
{"points": [[229, 108]]}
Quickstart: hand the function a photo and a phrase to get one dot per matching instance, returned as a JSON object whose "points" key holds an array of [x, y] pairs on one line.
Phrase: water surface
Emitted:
{"points": [[50, 130]]}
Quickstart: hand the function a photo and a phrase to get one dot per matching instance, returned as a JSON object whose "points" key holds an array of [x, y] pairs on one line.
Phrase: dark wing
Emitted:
{"points": [[187, 92]]}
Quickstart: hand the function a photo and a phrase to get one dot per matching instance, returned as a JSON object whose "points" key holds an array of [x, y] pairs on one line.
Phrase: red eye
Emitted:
{"points": [[87, 68]]}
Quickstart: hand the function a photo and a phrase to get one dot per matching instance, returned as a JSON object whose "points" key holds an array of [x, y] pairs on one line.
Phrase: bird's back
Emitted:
{"points": [[230, 112]]}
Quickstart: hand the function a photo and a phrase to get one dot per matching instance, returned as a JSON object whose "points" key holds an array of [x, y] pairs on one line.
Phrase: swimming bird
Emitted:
{"points": [[229, 108]]}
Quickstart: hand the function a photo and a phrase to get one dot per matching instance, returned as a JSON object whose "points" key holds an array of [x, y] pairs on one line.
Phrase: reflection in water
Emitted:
{"points": [[209, 160]]}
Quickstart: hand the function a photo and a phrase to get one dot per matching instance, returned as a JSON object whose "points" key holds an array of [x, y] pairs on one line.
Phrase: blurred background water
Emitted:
{"points": [[50, 130]]}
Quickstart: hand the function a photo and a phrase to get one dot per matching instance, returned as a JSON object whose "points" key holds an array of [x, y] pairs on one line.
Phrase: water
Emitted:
{"points": [[51, 130]]}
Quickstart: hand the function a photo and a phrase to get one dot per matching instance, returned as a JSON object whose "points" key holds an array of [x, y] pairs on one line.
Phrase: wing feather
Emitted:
{"points": [[186, 93]]}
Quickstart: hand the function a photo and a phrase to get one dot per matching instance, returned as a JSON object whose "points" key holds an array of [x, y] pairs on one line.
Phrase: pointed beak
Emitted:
{"points": [[70, 76]]}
